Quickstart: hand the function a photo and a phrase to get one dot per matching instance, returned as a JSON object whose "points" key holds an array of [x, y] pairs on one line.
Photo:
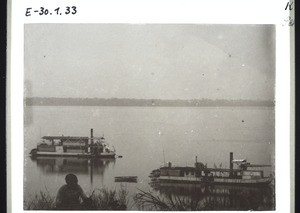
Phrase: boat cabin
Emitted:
{"points": [[197, 172], [70, 144], [240, 172], [74, 146], [61, 144]]}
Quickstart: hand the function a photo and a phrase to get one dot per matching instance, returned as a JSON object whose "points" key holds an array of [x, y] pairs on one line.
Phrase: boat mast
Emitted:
{"points": [[92, 142], [231, 164]]}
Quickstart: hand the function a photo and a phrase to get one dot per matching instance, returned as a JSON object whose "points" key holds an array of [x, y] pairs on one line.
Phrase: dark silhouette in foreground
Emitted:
{"points": [[71, 196], [100, 199]]}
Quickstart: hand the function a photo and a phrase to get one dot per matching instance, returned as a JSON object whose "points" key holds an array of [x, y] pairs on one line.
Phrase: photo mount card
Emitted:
{"points": [[174, 108]]}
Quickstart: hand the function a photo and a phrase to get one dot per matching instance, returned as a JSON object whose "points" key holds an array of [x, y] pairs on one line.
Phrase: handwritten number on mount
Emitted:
{"points": [[68, 10], [74, 10], [43, 11], [57, 11]]}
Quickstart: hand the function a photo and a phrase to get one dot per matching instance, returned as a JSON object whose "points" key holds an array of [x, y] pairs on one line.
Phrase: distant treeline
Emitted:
{"points": [[42, 101]]}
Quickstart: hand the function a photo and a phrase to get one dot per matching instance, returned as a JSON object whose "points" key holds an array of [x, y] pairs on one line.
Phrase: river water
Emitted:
{"points": [[146, 137]]}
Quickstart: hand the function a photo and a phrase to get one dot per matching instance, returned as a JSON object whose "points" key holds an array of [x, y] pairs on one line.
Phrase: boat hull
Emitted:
{"points": [[215, 180], [80, 155], [129, 179]]}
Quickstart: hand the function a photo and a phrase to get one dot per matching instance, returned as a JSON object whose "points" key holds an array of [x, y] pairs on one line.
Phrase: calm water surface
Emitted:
{"points": [[146, 137]]}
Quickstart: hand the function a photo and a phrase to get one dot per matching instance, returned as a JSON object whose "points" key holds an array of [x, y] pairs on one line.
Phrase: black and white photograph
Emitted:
{"points": [[149, 117]]}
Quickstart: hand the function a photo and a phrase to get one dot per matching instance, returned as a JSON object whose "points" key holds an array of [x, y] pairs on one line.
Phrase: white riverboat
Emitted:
{"points": [[243, 174], [90, 147]]}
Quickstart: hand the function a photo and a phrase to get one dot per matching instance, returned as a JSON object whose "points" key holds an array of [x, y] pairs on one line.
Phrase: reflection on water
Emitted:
{"points": [[83, 166], [221, 197], [146, 137], [207, 197]]}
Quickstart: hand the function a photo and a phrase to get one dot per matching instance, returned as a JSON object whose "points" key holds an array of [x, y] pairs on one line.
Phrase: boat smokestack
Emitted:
{"points": [[231, 163], [92, 141]]}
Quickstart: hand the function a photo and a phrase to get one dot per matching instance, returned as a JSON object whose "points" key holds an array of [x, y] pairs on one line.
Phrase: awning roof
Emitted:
{"points": [[64, 138]]}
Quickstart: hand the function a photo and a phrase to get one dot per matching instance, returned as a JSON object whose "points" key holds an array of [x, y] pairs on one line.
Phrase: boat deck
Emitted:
{"points": [[66, 154]]}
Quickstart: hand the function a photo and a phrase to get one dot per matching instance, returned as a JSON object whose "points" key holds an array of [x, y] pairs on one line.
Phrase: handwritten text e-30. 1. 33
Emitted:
{"points": [[42, 11]]}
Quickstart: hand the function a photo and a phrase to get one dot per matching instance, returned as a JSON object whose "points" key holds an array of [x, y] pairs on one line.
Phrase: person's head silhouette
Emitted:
{"points": [[71, 179]]}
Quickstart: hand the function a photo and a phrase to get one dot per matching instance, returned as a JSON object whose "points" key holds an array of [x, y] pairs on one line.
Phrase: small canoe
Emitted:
{"points": [[132, 179]]}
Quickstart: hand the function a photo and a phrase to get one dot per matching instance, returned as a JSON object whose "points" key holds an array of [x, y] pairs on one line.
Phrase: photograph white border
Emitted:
{"points": [[155, 11]]}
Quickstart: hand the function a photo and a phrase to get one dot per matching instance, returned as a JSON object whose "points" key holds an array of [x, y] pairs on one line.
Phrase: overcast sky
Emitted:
{"points": [[150, 61]]}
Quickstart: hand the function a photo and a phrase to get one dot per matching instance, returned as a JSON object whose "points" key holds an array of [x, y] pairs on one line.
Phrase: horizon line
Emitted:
{"points": [[273, 100]]}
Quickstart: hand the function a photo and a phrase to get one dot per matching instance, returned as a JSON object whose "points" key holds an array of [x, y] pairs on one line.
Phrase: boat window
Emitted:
{"points": [[186, 173], [192, 173]]}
